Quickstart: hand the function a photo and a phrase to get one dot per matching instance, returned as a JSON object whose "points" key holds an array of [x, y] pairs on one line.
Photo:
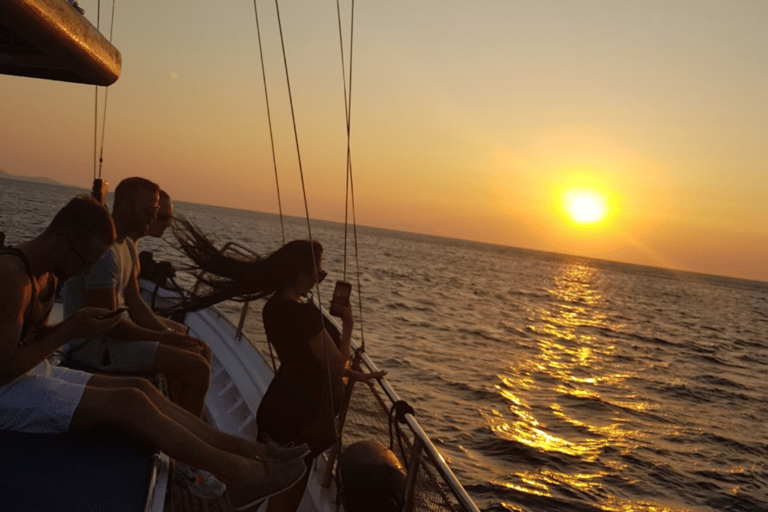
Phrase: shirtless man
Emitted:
{"points": [[141, 343], [36, 397]]}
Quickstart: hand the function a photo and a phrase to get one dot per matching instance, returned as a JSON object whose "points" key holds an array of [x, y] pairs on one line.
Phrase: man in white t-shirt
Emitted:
{"points": [[141, 343], [156, 229]]}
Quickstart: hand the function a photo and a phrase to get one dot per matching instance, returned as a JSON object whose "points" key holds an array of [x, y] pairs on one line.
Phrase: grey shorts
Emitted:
{"points": [[108, 355], [43, 400]]}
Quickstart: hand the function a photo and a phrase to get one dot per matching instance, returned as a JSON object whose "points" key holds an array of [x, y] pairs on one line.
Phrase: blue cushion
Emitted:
{"points": [[91, 471]]}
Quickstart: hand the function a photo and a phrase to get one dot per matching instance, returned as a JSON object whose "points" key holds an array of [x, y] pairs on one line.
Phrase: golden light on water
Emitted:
{"points": [[565, 398]]}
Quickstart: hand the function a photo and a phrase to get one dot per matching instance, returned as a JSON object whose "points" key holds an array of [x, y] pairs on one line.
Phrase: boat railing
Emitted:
{"points": [[430, 482], [430, 485]]}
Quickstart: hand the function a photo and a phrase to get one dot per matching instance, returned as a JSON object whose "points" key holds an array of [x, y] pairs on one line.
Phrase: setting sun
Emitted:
{"points": [[585, 206]]}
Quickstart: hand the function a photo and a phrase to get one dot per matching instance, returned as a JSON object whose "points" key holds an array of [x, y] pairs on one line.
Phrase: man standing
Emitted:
{"points": [[140, 343]]}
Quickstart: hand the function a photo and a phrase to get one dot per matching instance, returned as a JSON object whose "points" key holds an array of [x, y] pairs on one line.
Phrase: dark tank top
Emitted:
{"points": [[29, 322]]}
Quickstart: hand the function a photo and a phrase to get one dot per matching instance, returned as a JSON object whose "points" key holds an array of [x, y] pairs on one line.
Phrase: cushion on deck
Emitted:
{"points": [[89, 471]]}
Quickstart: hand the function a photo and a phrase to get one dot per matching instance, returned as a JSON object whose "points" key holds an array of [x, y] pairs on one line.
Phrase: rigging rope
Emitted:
{"points": [[269, 120], [293, 119], [96, 103], [349, 191]]}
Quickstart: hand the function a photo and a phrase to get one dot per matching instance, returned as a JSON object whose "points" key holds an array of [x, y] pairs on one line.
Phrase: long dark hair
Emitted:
{"points": [[227, 276]]}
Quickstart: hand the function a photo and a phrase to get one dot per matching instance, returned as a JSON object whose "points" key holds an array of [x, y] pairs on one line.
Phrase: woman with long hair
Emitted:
{"points": [[301, 402]]}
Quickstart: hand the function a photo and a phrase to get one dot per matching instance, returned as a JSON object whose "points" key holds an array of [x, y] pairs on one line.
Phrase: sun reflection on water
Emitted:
{"points": [[567, 397]]}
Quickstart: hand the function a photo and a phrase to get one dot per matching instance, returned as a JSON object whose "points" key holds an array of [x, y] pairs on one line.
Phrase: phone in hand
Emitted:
{"points": [[340, 297], [113, 314]]}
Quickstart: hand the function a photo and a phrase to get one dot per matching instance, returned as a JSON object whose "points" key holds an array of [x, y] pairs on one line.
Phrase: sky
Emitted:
{"points": [[469, 120]]}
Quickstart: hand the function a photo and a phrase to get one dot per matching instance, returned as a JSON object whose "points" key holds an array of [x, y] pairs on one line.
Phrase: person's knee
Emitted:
{"points": [[143, 385], [129, 403], [200, 368], [192, 367]]}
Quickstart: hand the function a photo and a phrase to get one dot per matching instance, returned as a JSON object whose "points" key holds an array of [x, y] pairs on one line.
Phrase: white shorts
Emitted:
{"points": [[43, 400]]}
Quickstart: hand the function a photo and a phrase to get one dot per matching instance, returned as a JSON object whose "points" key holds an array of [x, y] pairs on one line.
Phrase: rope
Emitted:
{"points": [[347, 113], [397, 412], [306, 203], [269, 120], [96, 101], [349, 193], [293, 119]]}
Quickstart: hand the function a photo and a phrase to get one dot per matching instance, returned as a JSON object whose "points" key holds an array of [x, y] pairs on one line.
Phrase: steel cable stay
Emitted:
{"points": [[269, 119], [99, 190], [349, 191]]}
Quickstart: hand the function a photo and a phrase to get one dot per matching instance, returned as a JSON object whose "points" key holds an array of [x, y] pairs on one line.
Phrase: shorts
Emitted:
{"points": [[43, 400], [109, 355]]}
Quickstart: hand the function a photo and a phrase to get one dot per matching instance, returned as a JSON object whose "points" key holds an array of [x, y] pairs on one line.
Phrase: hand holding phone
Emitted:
{"points": [[113, 314], [340, 297]]}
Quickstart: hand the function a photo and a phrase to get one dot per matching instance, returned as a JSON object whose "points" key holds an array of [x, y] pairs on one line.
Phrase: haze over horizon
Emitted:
{"points": [[469, 121]]}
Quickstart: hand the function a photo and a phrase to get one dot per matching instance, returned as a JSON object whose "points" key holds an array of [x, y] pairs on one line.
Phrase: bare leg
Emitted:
{"points": [[193, 424], [131, 411], [188, 372]]}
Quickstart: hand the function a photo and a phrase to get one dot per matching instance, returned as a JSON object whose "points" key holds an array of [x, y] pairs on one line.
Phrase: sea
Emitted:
{"points": [[549, 382]]}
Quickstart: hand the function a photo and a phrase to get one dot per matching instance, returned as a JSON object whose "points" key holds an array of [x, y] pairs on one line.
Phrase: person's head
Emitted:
{"points": [[164, 216], [298, 265], [83, 231], [135, 206]]}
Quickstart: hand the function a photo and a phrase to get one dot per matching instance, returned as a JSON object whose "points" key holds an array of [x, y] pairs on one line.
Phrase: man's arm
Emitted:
{"points": [[139, 311], [100, 291], [129, 329], [17, 360]]}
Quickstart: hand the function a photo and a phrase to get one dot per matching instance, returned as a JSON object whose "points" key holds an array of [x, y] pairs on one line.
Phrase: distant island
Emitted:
{"points": [[4, 174]]}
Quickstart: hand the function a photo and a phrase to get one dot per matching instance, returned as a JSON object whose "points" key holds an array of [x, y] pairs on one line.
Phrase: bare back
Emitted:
{"points": [[22, 307]]}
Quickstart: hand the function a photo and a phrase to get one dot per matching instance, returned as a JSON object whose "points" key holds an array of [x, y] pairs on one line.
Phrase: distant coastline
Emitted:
{"points": [[4, 174]]}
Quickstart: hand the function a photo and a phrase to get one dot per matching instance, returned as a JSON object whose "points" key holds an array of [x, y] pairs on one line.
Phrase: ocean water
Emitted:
{"points": [[549, 382]]}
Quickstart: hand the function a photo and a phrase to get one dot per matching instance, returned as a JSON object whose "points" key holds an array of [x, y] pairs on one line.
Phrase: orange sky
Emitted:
{"points": [[469, 119]]}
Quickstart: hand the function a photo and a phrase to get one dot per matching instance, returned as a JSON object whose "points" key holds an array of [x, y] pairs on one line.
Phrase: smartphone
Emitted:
{"points": [[113, 314], [340, 297]]}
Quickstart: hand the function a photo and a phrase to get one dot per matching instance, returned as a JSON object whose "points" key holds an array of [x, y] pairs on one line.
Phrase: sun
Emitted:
{"points": [[584, 206]]}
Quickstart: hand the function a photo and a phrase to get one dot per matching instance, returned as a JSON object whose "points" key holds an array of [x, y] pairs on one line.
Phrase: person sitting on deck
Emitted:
{"points": [[36, 397], [141, 343], [156, 229]]}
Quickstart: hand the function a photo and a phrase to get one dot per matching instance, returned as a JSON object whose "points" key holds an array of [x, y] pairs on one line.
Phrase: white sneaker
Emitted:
{"points": [[200, 483]]}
